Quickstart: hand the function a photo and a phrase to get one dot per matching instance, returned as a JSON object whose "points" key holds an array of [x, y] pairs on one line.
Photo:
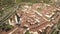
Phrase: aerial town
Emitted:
{"points": [[31, 18]]}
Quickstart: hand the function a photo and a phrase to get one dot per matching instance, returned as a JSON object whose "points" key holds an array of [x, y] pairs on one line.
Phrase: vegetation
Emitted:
{"points": [[56, 30], [58, 25], [52, 31], [46, 1], [6, 3], [44, 32], [6, 7], [38, 9], [33, 1], [27, 32], [6, 10], [6, 27]]}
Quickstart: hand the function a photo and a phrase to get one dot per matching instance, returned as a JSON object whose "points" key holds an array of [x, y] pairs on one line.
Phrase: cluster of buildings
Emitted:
{"points": [[36, 18]]}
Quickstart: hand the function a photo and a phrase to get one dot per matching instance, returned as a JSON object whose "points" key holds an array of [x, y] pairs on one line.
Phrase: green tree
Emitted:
{"points": [[27, 32]]}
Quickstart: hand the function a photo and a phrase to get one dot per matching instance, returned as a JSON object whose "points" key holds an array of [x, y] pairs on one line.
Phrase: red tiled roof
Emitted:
{"points": [[28, 18]]}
